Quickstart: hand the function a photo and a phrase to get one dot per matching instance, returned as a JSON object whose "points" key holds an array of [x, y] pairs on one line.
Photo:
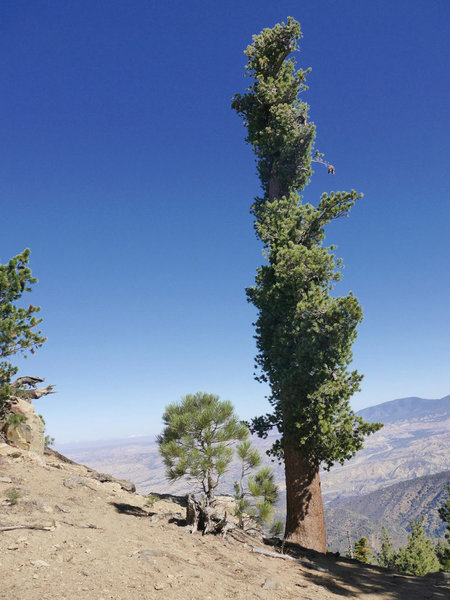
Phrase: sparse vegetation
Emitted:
{"points": [[13, 495], [151, 500], [48, 441], [15, 419]]}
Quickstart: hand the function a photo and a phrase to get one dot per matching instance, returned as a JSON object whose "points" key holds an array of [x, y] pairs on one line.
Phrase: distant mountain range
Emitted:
{"points": [[415, 441]]}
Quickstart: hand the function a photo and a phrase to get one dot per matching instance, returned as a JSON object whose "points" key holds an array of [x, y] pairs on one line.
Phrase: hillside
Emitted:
{"points": [[407, 409], [392, 506], [70, 536]]}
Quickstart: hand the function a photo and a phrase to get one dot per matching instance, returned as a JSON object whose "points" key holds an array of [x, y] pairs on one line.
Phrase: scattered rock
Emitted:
{"points": [[39, 563], [128, 486], [5, 480], [269, 584], [147, 554], [73, 481]]}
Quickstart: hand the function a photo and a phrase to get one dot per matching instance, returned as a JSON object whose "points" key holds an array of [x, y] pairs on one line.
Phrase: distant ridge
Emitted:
{"points": [[393, 506], [407, 409]]}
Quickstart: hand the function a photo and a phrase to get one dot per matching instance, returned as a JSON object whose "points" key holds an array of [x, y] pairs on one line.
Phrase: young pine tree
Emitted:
{"points": [[362, 551], [304, 334], [418, 557], [256, 492], [197, 440], [386, 557], [443, 547]]}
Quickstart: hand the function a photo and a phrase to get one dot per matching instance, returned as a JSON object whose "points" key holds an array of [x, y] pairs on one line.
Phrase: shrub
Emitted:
{"points": [[13, 495]]}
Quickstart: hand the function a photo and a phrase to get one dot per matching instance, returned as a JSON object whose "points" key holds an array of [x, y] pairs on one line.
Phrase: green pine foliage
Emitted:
{"points": [[15, 419], [362, 551], [49, 441], [386, 556], [277, 527], [443, 547], [417, 557], [304, 333], [18, 333], [197, 440], [256, 492]]}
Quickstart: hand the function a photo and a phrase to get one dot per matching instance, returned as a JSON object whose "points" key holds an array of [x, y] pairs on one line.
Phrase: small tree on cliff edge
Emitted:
{"points": [[17, 328], [304, 335]]}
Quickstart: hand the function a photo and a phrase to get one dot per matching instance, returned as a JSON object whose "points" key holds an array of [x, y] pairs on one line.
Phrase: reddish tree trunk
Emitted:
{"points": [[305, 521]]}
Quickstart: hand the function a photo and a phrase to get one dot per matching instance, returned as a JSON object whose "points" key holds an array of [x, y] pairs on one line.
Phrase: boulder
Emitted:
{"points": [[30, 434]]}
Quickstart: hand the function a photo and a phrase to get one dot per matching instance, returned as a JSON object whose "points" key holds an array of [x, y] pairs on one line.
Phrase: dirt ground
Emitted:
{"points": [[100, 542]]}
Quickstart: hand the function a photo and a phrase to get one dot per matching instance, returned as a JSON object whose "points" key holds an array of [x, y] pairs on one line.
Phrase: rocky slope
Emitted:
{"points": [[70, 536]]}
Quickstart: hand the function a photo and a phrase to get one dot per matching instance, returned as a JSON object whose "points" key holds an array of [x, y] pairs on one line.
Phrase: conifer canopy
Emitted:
{"points": [[304, 333], [197, 439], [18, 333]]}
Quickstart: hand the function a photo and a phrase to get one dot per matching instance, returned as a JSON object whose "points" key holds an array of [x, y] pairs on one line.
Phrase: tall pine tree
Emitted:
{"points": [[304, 334]]}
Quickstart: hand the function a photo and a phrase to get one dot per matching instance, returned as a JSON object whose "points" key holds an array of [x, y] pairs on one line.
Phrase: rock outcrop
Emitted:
{"points": [[29, 434]]}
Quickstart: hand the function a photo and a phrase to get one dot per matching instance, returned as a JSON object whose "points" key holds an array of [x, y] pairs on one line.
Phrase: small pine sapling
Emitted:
{"points": [[386, 555], [49, 441], [15, 419], [198, 438], [151, 500], [362, 551], [418, 557], [255, 493], [277, 528]]}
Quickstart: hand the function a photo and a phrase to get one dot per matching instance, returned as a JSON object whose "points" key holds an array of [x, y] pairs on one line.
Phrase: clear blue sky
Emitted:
{"points": [[124, 170]]}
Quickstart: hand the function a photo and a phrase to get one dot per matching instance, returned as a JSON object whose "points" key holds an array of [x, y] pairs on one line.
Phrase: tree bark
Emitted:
{"points": [[305, 521]]}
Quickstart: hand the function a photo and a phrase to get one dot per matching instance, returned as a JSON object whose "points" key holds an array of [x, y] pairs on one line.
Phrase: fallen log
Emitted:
{"points": [[19, 526], [273, 554]]}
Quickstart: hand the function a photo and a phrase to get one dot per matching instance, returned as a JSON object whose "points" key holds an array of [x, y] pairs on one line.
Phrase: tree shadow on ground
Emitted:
{"points": [[349, 578], [130, 509], [179, 521]]}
